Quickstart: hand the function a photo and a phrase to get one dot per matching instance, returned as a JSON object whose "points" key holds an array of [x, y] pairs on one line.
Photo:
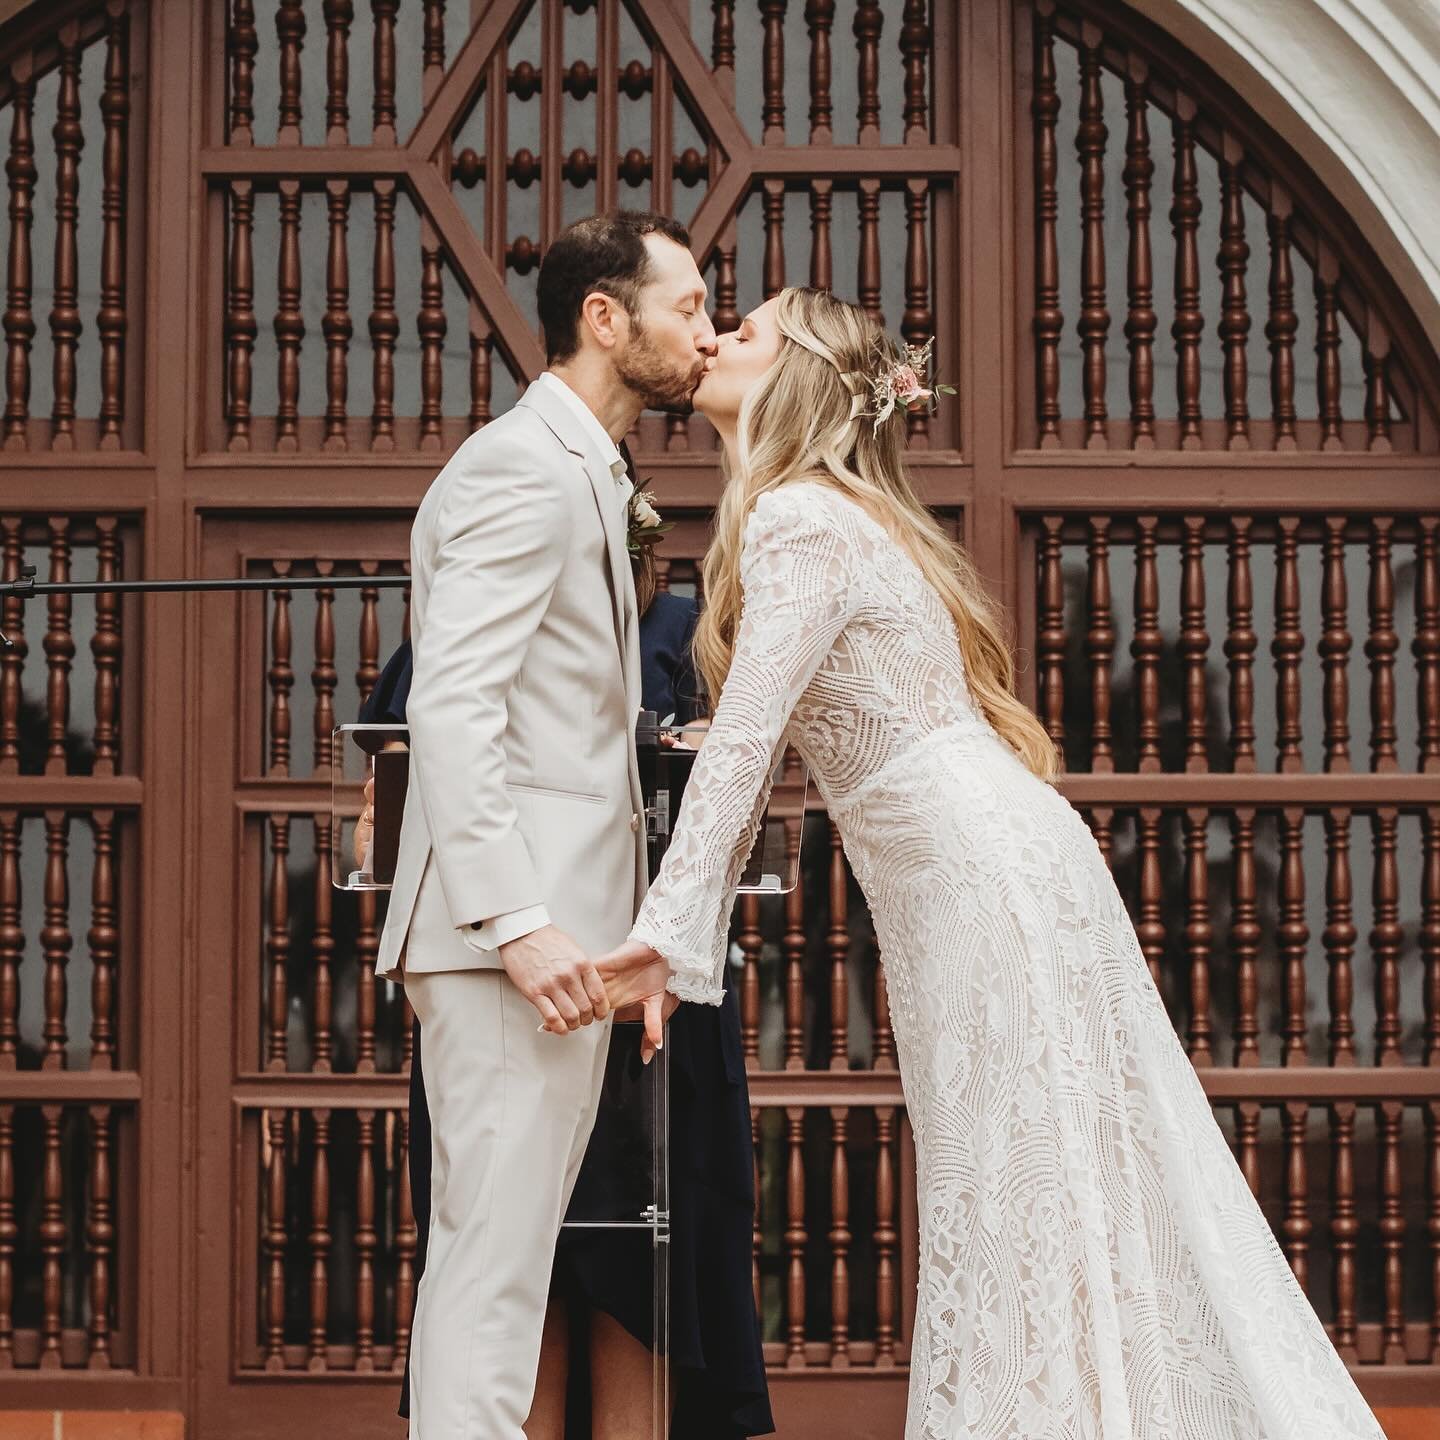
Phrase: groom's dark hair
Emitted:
{"points": [[602, 252]]}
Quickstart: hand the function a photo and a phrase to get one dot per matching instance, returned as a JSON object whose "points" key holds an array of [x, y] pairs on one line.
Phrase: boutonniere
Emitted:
{"points": [[643, 523]]}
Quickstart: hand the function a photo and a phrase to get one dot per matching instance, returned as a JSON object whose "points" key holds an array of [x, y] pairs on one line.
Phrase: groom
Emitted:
{"points": [[522, 850]]}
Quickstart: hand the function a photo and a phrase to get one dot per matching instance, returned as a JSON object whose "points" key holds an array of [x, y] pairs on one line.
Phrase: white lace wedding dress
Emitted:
{"points": [[1092, 1263]]}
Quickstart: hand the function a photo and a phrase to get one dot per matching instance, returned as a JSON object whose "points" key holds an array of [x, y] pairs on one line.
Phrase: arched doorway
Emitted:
{"points": [[270, 260]]}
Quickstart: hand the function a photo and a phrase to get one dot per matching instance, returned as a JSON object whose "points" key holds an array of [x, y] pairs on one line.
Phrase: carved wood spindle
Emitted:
{"points": [[1281, 327], [1245, 937], [406, 1242], [54, 1237], [322, 951], [915, 48], [318, 1239], [366, 1243], [1094, 322], [99, 1237], [339, 16], [727, 317], [1335, 646], [1199, 935], [839, 1237], [9, 1237], [1426, 644], [481, 345], [1241, 643], [1381, 647], [12, 938], [290, 37], [792, 949], [110, 319], [323, 677], [384, 320], [1194, 644], [1390, 1120], [1292, 935], [1050, 631], [772, 18], [750, 941], [336, 325], [1049, 321], [1100, 643], [1247, 1143], [822, 265], [1376, 360], [276, 1239], [1432, 1223], [367, 938], [1189, 321], [1140, 321], [384, 12], [433, 48], [1288, 646], [1102, 825], [59, 646], [837, 942], [103, 940], [19, 319], [795, 1238], [432, 326], [1327, 348], [869, 259], [277, 945], [1149, 926], [244, 42], [280, 677], [887, 1276], [241, 323], [1387, 936], [1296, 1227], [917, 324], [289, 322], [1339, 936], [1148, 644], [1429, 936], [722, 41], [1234, 327], [105, 648], [65, 323], [773, 202], [1344, 1226], [12, 660], [869, 23], [882, 1039]]}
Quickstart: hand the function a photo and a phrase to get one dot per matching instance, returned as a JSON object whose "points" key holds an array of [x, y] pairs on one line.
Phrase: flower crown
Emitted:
{"points": [[902, 384]]}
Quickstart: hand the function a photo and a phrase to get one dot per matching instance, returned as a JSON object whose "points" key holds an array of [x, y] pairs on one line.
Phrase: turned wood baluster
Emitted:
{"points": [[65, 324], [105, 648], [433, 47], [1245, 937], [1376, 359], [384, 72], [1280, 328], [1247, 1144], [1288, 646], [59, 645], [1339, 936], [366, 1243], [792, 947], [336, 324], [12, 938], [774, 213], [53, 1237], [1100, 643], [367, 939], [837, 942], [1327, 348], [1387, 936], [822, 267], [1199, 935], [722, 43], [796, 1236], [406, 1241], [99, 1237], [1234, 327], [480, 365], [1194, 643], [339, 16], [1240, 646], [1140, 320], [869, 23], [289, 322], [275, 1239], [110, 319], [1429, 936], [9, 1237], [1189, 321], [281, 677], [869, 261], [322, 949], [1094, 322], [1102, 825], [1426, 645], [727, 317], [1149, 927], [1380, 648], [290, 36], [103, 939], [1292, 934], [432, 327], [840, 1238], [241, 324], [750, 941], [384, 321], [1344, 1226], [1432, 1224], [1335, 646], [12, 660], [1148, 644], [772, 17], [1296, 1228], [244, 41], [820, 20], [323, 677], [1050, 631], [19, 318], [55, 938], [319, 1241], [915, 44], [277, 944], [1049, 320], [1390, 1120], [887, 1274]]}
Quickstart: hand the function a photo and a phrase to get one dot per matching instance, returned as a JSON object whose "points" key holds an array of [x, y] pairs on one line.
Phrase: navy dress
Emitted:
{"points": [[714, 1344]]}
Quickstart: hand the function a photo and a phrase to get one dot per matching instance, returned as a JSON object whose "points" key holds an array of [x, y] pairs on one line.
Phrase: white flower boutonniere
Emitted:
{"points": [[643, 523]]}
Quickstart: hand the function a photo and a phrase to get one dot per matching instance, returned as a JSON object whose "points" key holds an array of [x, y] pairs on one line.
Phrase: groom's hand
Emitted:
{"points": [[557, 977]]}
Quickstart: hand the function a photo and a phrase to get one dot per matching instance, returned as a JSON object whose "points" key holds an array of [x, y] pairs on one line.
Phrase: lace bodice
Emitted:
{"points": [[845, 650]]}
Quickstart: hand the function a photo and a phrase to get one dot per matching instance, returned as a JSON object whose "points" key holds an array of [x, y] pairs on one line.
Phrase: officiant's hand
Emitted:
{"points": [[635, 978], [556, 976]]}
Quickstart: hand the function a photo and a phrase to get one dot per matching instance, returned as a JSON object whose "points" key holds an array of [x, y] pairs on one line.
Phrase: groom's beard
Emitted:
{"points": [[653, 379]]}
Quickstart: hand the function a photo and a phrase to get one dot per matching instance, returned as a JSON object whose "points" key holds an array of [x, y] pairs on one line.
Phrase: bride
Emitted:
{"points": [[1092, 1263]]}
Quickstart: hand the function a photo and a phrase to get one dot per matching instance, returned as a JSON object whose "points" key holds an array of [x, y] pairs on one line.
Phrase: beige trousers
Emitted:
{"points": [[511, 1111]]}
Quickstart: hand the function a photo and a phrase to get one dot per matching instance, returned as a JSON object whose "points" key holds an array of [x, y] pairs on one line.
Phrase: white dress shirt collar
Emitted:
{"points": [[586, 416]]}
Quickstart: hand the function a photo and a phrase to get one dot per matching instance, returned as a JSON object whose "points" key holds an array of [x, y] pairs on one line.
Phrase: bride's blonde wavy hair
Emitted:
{"points": [[795, 423]]}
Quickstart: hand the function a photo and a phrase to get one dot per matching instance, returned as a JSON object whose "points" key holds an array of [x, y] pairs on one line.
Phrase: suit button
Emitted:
{"points": [[635, 823]]}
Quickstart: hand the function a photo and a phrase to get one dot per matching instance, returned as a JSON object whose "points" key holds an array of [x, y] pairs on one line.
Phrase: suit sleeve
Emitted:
{"points": [[501, 535]]}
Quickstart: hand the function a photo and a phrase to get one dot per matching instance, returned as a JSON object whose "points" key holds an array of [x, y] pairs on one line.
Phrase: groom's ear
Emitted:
{"points": [[604, 318]]}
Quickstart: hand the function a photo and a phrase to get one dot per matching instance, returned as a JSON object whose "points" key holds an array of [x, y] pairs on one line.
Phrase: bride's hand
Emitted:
{"points": [[635, 977]]}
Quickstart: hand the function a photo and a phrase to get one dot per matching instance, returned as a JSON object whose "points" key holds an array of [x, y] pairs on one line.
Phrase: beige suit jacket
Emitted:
{"points": [[524, 788]]}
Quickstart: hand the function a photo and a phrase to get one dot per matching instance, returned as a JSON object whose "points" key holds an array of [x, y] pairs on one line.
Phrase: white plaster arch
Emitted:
{"points": [[1353, 86]]}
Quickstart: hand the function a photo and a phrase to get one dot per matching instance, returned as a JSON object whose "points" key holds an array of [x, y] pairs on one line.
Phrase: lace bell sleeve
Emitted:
{"points": [[797, 589]]}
